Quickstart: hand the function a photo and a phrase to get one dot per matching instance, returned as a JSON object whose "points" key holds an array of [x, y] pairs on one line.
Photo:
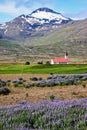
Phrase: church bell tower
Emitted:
{"points": [[66, 55]]}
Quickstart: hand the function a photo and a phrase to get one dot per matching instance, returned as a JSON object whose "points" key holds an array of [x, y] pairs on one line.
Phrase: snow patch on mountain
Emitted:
{"points": [[44, 16], [48, 15], [23, 26], [32, 20], [3, 26]]}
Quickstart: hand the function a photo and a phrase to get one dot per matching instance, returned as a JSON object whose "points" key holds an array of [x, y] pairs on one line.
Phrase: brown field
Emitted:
{"points": [[36, 94]]}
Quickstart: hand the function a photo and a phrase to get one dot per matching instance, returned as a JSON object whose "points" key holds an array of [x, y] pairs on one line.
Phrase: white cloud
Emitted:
{"points": [[17, 7], [10, 8]]}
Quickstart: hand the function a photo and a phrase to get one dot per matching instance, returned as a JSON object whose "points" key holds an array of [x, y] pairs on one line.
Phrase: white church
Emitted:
{"points": [[60, 60]]}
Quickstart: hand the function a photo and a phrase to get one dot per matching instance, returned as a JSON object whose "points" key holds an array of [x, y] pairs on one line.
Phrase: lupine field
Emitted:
{"points": [[53, 114], [45, 115]]}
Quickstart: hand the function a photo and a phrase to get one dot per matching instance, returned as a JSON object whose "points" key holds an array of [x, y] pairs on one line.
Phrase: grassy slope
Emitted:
{"points": [[10, 50], [71, 37], [72, 30], [42, 69], [4, 44]]}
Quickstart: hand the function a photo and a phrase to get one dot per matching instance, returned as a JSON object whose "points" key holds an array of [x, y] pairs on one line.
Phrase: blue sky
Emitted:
{"points": [[75, 9]]}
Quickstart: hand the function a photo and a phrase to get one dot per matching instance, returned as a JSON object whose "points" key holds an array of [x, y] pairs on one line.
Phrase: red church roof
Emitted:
{"points": [[60, 60]]}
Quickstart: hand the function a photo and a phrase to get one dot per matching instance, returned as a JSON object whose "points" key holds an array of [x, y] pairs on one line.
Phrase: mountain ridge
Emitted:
{"points": [[24, 26]]}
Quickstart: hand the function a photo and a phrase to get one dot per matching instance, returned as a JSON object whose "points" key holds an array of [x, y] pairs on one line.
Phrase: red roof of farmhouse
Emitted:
{"points": [[60, 60]]}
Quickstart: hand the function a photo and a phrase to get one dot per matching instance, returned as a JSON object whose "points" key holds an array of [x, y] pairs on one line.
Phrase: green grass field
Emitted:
{"points": [[42, 69]]}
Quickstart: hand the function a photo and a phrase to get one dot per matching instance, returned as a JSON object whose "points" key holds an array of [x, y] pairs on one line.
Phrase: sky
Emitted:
{"points": [[75, 9]]}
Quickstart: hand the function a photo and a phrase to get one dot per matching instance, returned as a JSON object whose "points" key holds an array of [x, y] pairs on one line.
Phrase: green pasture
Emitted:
{"points": [[42, 69]]}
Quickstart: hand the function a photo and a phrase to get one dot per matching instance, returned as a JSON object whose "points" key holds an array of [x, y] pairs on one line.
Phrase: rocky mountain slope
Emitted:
{"points": [[26, 26]]}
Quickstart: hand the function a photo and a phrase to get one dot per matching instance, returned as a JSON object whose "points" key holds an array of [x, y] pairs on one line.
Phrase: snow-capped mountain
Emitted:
{"points": [[45, 16], [26, 25], [48, 14]]}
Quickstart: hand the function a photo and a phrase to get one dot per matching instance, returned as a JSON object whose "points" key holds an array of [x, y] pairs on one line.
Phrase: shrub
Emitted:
{"points": [[47, 62], [40, 62], [15, 81], [50, 83], [27, 85], [84, 85], [8, 81], [41, 83], [24, 80], [27, 94], [34, 78], [4, 91], [40, 78], [27, 63], [74, 93], [2, 83], [16, 84], [20, 78], [7, 84], [50, 77], [51, 73], [20, 82], [52, 97]]}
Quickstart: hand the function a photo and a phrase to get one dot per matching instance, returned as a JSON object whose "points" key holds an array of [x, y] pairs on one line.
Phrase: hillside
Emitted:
{"points": [[10, 50], [71, 37]]}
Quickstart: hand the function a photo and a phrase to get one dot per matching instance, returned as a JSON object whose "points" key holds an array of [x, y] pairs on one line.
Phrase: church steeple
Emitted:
{"points": [[66, 55]]}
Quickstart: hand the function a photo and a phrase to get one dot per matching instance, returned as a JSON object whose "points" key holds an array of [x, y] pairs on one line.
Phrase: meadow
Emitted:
{"points": [[30, 105], [42, 69]]}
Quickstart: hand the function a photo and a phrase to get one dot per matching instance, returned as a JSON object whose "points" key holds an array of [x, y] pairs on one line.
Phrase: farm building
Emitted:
{"points": [[60, 60]]}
